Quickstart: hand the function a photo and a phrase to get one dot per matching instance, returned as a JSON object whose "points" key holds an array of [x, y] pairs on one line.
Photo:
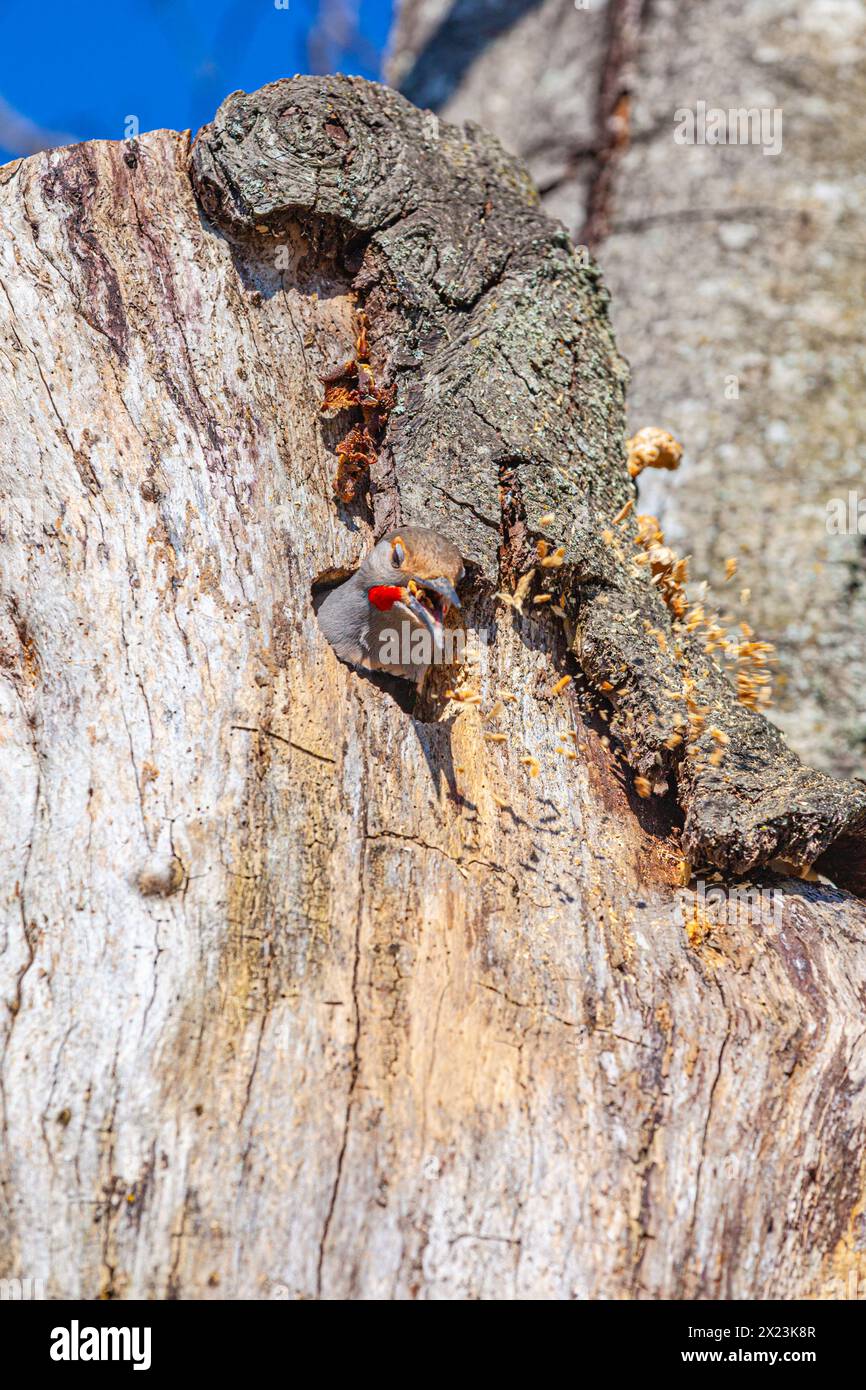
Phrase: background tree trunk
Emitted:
{"points": [[730, 271], [307, 995]]}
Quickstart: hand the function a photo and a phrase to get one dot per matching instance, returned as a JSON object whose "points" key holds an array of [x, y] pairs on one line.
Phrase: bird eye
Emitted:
{"points": [[398, 555]]}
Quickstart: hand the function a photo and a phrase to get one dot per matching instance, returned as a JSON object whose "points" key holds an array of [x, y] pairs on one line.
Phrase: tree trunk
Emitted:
{"points": [[736, 280], [311, 992]]}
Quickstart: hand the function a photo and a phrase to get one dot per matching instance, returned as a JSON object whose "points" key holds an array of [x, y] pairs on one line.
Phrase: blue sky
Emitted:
{"points": [[81, 70]]}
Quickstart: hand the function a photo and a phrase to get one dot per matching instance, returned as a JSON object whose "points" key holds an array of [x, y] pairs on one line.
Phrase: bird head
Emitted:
{"points": [[414, 572]]}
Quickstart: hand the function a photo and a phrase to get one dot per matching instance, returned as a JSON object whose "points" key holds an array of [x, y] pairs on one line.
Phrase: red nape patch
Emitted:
{"points": [[384, 596]]}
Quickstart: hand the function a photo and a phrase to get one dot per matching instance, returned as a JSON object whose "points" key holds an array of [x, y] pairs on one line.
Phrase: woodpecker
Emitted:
{"points": [[390, 615]]}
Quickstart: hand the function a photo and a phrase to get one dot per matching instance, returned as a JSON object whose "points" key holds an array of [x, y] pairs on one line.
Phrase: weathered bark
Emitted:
{"points": [[505, 372], [728, 270], [309, 995]]}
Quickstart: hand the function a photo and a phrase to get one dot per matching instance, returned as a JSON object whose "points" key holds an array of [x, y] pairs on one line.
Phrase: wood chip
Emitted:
{"points": [[552, 562]]}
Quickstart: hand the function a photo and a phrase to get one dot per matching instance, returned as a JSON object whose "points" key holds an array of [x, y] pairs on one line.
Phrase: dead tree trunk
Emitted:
{"points": [[308, 994]]}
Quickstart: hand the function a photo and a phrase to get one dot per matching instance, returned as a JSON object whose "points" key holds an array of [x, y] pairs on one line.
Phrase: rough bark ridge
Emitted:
{"points": [[495, 335], [736, 281], [305, 996]]}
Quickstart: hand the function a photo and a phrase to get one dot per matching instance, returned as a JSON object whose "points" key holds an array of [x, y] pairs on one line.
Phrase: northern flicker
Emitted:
{"points": [[390, 615]]}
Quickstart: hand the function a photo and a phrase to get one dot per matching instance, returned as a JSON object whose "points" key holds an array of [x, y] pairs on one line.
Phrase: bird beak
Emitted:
{"points": [[423, 614], [432, 619], [444, 588]]}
